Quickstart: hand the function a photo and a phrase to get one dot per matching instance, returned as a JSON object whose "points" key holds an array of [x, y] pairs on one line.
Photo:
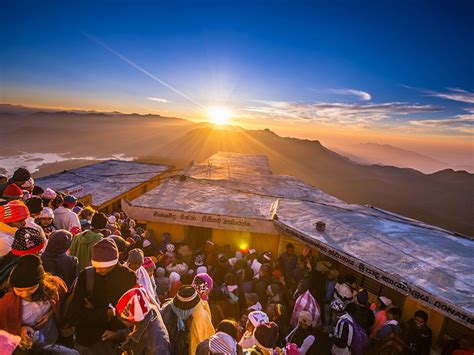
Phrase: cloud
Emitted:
{"points": [[362, 95], [157, 99], [336, 113], [454, 94], [463, 123]]}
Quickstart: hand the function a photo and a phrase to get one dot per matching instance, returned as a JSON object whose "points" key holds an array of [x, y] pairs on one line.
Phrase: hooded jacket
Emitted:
{"points": [[81, 247], [64, 218], [57, 262]]}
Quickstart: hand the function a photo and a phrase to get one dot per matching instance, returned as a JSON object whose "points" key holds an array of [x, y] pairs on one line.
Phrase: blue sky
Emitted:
{"points": [[402, 65]]}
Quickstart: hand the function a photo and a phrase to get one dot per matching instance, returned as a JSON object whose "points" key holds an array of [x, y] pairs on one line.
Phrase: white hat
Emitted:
{"points": [[112, 219], [258, 317], [252, 251], [46, 213], [387, 302]]}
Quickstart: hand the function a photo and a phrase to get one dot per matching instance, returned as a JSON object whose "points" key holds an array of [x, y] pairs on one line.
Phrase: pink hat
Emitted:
{"points": [[203, 282], [134, 305], [148, 263], [49, 194], [105, 253]]}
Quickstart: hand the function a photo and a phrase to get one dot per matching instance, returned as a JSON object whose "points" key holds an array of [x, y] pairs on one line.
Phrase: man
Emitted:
{"points": [[148, 332], [203, 329], [417, 335], [177, 315], [344, 331], [364, 315], [254, 318], [288, 262], [391, 327], [82, 243], [13, 215], [97, 289], [65, 218], [35, 206], [304, 334]]}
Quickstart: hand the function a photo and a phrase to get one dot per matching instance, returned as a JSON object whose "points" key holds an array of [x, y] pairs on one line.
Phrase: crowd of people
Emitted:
{"points": [[74, 280]]}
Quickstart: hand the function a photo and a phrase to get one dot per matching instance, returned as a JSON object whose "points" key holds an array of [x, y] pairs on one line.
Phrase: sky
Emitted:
{"points": [[397, 72]]}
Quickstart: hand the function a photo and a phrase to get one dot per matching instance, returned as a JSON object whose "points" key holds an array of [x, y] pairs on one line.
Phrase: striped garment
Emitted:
{"points": [[306, 302], [222, 343], [344, 321]]}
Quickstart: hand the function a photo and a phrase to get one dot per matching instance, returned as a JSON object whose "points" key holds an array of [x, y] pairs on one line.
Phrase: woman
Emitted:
{"points": [[31, 308], [45, 221]]}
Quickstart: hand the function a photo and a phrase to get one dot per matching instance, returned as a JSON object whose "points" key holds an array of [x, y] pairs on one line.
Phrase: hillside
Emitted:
{"points": [[443, 199]]}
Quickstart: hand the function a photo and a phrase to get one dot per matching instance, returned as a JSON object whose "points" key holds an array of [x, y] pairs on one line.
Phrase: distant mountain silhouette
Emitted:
{"points": [[444, 198]]}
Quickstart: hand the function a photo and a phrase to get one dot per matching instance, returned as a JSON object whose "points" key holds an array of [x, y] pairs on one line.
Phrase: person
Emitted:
{"points": [[417, 335], [85, 217], [13, 215], [253, 319], [304, 334], [47, 196], [35, 206], [148, 332], [224, 341], [251, 302], [26, 241], [150, 267], [3, 179], [175, 284], [391, 326], [177, 316], [19, 177], [343, 332], [135, 262], [306, 302], [333, 274], [56, 260], [82, 243], [12, 192], [203, 328], [266, 335], [288, 262], [31, 308], [364, 316], [380, 310], [45, 221], [98, 287], [65, 218], [162, 283]]}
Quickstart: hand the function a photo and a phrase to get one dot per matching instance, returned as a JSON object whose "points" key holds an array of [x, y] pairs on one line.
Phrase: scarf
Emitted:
{"points": [[182, 315], [222, 343]]}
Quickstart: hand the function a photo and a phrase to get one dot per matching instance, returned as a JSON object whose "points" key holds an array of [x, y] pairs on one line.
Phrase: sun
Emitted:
{"points": [[219, 114]]}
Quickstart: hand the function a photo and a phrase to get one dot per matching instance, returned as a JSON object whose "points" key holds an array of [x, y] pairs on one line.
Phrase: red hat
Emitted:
{"points": [[12, 192], [14, 211], [105, 253], [134, 305]]}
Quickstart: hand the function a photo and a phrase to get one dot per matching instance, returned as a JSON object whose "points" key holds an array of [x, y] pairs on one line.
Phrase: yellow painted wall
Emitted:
{"points": [[177, 231], [236, 239]]}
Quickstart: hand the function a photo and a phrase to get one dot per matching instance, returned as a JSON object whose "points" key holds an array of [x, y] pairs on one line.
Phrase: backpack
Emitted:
{"points": [[360, 340]]}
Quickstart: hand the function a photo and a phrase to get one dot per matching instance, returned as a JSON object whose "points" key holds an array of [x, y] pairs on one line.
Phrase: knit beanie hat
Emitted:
{"points": [[257, 317], [136, 256], [203, 282], [27, 241], [12, 192], [134, 305], [37, 190], [49, 194], [112, 219], [28, 272], [363, 297], [70, 200], [148, 264], [266, 335], [99, 220], [46, 213], [105, 253], [21, 174], [59, 242], [34, 204], [13, 211]]}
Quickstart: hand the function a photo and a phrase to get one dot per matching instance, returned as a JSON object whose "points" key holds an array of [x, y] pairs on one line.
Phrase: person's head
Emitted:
{"points": [[265, 270], [135, 259], [59, 242], [46, 217], [338, 307], [69, 201], [133, 306], [255, 318], [333, 274], [20, 176], [266, 335], [14, 214], [290, 249], [230, 279], [383, 302], [305, 319], [3, 179], [35, 206], [362, 297], [421, 317], [275, 311], [28, 241], [149, 266], [86, 213], [394, 313], [203, 285], [160, 272], [250, 299], [28, 185], [230, 327], [48, 195], [99, 221], [186, 298], [351, 308], [26, 276], [57, 201], [12, 192], [105, 256]]}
